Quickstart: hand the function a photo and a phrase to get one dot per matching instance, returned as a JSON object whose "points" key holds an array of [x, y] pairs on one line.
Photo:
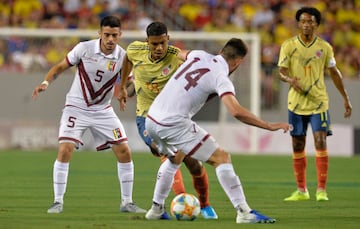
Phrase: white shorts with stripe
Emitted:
{"points": [[186, 136], [104, 125]]}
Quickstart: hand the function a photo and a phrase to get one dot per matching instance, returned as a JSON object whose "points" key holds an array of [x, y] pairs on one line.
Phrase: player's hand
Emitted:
{"points": [[40, 88], [348, 109], [280, 125], [294, 82], [122, 98]]}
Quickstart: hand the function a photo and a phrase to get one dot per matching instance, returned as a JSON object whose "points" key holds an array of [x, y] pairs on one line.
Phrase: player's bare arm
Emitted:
{"points": [[292, 81], [245, 116], [336, 77], [53, 73], [125, 72]]}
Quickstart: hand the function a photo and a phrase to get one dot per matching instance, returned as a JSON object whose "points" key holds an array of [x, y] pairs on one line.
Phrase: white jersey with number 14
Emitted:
{"points": [[199, 77]]}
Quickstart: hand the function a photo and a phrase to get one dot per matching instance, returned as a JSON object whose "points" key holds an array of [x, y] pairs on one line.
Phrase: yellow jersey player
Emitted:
{"points": [[302, 62], [153, 63]]}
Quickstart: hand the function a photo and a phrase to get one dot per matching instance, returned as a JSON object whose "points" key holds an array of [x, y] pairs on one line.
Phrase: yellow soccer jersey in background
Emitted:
{"points": [[307, 63], [149, 81]]}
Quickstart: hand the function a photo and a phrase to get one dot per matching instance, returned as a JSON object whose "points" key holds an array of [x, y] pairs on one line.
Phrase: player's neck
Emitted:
{"points": [[307, 38]]}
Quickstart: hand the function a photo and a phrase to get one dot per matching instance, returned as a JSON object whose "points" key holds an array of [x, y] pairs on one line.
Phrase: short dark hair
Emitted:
{"points": [[111, 21], [234, 48], [310, 10], [156, 29]]}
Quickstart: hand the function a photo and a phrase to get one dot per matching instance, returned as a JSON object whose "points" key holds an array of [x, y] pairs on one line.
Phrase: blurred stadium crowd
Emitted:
{"points": [[272, 19]]}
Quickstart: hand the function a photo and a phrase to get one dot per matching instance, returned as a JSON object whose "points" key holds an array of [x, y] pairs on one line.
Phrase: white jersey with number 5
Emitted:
{"points": [[95, 77], [199, 77]]}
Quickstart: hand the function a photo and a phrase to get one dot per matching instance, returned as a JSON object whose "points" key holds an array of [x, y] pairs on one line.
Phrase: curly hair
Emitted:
{"points": [[310, 10]]}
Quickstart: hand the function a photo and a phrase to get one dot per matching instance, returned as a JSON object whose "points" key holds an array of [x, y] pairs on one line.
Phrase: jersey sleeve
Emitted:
{"points": [[283, 56], [224, 86], [133, 49], [74, 56], [330, 59]]}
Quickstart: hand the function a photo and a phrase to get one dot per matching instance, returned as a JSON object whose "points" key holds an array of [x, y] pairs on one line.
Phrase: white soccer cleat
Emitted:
{"points": [[55, 208], [157, 212], [132, 208], [253, 217]]}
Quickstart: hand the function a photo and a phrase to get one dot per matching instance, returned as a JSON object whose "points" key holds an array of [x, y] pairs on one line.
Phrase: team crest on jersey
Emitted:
{"points": [[165, 71], [117, 133], [111, 66], [318, 54]]}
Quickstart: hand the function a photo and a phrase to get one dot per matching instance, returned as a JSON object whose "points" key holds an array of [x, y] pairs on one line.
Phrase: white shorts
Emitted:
{"points": [[104, 125], [186, 136]]}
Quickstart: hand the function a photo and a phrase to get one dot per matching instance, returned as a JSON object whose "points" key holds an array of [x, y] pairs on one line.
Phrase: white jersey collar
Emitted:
{"points": [[112, 55]]}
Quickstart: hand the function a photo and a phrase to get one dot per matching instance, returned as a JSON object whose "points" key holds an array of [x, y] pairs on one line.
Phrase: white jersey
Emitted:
{"points": [[200, 76], [96, 74]]}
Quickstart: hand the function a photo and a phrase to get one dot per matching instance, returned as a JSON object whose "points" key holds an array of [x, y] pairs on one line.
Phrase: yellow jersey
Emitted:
{"points": [[150, 76], [307, 63]]}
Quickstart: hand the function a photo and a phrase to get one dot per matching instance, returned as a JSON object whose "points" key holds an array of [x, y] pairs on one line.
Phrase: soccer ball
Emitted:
{"points": [[185, 206]]}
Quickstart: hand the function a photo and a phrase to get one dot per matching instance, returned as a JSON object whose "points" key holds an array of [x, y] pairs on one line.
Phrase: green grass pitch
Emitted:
{"points": [[93, 197]]}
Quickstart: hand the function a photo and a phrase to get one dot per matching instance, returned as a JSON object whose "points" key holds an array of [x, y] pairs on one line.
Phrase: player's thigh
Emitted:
{"points": [[140, 123], [107, 129], [321, 123], [193, 140], [299, 123], [156, 132]]}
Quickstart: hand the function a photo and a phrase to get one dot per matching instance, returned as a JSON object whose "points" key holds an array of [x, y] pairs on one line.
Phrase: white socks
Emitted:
{"points": [[125, 175], [60, 175], [126, 179], [165, 179], [231, 184]]}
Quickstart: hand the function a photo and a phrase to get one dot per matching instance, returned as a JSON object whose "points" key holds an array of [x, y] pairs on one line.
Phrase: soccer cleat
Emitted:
{"points": [[132, 208], [208, 213], [157, 212], [253, 217], [55, 208], [298, 196], [321, 196]]}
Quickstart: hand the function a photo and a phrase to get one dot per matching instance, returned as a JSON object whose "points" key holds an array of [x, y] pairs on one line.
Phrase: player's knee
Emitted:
{"points": [[298, 144], [320, 140], [122, 152], [219, 157], [320, 145], [65, 151]]}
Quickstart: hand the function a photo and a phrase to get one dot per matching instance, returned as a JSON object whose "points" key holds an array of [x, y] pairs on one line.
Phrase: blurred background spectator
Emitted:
{"points": [[271, 19]]}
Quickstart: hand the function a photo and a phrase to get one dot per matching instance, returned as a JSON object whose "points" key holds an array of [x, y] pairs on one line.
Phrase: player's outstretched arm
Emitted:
{"points": [[245, 116], [52, 74]]}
